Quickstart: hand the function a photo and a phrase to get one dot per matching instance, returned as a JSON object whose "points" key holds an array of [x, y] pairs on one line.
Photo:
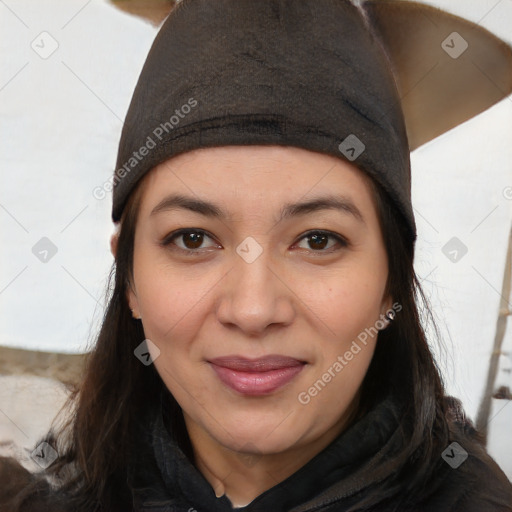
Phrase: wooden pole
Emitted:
{"points": [[484, 410]]}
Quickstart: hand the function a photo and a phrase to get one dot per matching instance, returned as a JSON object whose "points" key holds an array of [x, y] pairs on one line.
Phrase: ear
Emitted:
{"points": [[385, 309], [114, 239], [131, 296], [387, 304], [133, 303]]}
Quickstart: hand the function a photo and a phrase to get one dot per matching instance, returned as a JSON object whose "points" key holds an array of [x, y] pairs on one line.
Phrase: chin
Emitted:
{"points": [[257, 444], [264, 433]]}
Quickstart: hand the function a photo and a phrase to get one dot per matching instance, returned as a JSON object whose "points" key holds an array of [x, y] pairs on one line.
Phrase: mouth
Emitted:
{"points": [[255, 377]]}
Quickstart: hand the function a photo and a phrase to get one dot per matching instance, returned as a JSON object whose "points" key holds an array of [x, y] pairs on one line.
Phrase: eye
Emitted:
{"points": [[189, 240], [321, 241]]}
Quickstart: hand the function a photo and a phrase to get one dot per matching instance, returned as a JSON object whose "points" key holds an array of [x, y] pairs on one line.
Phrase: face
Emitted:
{"points": [[260, 274]]}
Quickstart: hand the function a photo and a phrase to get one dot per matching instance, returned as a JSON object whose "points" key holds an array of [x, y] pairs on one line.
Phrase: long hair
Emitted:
{"points": [[403, 366], [117, 391]]}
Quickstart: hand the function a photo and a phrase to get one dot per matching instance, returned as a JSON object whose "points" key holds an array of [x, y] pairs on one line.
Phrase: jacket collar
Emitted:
{"points": [[165, 479]]}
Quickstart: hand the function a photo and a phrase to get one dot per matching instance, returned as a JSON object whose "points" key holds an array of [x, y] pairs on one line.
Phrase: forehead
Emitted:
{"points": [[245, 177]]}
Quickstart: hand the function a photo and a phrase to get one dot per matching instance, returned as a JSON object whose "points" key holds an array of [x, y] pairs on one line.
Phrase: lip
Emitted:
{"points": [[255, 377]]}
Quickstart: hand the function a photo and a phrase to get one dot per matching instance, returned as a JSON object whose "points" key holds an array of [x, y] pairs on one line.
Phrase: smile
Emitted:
{"points": [[256, 376]]}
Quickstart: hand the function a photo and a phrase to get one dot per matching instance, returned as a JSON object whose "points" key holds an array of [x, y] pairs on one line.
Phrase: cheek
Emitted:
{"points": [[171, 305], [345, 303], [173, 309]]}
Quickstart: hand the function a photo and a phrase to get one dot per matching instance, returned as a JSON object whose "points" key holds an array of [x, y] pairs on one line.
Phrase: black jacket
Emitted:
{"points": [[164, 479]]}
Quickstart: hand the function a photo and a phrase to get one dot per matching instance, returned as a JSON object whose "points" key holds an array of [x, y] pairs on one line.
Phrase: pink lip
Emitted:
{"points": [[256, 376]]}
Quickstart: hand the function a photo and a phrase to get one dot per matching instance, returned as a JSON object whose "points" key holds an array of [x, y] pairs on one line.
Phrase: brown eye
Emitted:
{"points": [[321, 241], [190, 240], [318, 241]]}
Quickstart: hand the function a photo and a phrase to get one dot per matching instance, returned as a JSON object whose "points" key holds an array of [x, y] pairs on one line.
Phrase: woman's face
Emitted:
{"points": [[259, 273]]}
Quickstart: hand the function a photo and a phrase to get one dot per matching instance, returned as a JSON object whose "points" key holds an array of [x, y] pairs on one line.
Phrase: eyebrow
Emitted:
{"points": [[208, 209]]}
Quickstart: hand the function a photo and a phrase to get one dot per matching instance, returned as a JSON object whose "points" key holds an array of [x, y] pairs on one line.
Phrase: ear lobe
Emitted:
{"points": [[387, 311], [387, 304], [133, 303]]}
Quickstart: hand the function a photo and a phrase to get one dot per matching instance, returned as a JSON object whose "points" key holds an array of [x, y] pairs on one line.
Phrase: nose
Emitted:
{"points": [[254, 297]]}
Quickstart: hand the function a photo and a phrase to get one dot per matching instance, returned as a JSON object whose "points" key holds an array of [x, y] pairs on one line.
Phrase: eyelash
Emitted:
{"points": [[168, 240]]}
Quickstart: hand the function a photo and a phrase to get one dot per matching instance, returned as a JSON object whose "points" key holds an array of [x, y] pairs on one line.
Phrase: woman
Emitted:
{"points": [[262, 348]]}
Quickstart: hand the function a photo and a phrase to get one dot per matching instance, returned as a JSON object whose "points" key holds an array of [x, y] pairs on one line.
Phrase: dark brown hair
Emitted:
{"points": [[118, 392]]}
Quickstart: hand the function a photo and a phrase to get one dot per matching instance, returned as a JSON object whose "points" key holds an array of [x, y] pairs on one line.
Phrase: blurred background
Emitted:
{"points": [[68, 69]]}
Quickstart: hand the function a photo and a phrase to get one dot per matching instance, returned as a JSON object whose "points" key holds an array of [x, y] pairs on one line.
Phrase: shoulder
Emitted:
{"points": [[22, 491], [468, 479], [477, 485], [14, 478]]}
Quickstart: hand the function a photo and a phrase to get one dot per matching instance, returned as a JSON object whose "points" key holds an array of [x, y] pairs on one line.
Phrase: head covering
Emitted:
{"points": [[324, 75]]}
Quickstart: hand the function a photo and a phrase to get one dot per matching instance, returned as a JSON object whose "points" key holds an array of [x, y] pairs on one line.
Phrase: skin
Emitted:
{"points": [[301, 297]]}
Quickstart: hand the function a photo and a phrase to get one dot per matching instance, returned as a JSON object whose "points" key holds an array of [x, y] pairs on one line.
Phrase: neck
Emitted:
{"points": [[242, 476]]}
